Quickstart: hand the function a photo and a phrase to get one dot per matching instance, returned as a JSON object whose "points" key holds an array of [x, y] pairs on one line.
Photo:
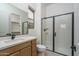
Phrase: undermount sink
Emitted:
{"points": [[10, 41], [14, 40]]}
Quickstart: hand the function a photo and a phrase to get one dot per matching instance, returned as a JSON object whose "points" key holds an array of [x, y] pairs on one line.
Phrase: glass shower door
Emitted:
{"points": [[63, 34], [47, 33]]}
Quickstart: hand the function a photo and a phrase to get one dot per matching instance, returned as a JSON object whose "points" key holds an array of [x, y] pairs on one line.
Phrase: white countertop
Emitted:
{"points": [[6, 42]]}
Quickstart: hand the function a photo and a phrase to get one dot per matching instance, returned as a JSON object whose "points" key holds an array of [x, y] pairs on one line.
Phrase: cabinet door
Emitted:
{"points": [[26, 51], [15, 54], [34, 48]]}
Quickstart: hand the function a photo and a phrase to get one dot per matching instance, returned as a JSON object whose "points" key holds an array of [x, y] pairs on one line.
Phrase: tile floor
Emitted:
{"points": [[49, 53]]}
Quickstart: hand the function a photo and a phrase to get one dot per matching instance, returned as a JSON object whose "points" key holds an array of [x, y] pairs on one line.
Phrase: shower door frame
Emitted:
{"points": [[72, 40], [41, 30], [53, 39]]}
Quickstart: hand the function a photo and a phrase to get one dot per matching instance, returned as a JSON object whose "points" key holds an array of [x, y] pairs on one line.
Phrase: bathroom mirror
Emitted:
{"points": [[12, 20]]}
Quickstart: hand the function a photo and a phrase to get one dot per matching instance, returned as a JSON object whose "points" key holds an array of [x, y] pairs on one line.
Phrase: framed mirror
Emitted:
{"points": [[31, 17], [12, 20]]}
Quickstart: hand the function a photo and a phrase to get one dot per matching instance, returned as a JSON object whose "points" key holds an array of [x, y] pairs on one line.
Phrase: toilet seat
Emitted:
{"points": [[41, 48]]}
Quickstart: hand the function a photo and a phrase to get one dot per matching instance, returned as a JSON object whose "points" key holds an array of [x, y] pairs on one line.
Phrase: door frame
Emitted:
{"points": [[72, 42]]}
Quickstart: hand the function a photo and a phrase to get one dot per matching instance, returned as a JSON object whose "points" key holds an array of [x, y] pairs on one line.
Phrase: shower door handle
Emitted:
{"points": [[55, 34], [73, 48]]}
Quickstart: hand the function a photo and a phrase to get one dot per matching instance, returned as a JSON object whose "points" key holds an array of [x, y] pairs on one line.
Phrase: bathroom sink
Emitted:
{"points": [[10, 41], [14, 40]]}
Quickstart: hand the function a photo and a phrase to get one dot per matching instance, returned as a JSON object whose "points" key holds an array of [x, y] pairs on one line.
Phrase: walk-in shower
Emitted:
{"points": [[58, 33]]}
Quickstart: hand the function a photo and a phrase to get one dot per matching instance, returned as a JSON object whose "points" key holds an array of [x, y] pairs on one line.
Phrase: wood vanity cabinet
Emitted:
{"points": [[15, 54], [23, 49], [34, 48], [26, 51], [23, 52]]}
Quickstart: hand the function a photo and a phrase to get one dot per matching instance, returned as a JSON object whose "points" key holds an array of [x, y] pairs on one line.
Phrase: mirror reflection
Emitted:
{"points": [[12, 20]]}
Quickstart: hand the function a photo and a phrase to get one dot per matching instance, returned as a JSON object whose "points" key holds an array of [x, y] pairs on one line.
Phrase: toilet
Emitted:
{"points": [[41, 50]]}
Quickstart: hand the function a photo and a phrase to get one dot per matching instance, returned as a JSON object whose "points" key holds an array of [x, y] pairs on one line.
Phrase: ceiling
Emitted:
{"points": [[47, 4]]}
